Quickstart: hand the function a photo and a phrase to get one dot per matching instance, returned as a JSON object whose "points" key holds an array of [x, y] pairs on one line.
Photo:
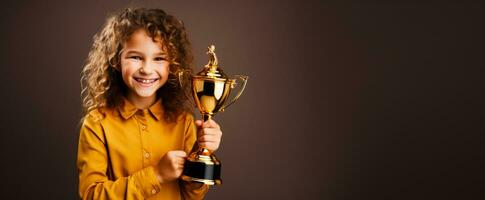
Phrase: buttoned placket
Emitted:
{"points": [[143, 131]]}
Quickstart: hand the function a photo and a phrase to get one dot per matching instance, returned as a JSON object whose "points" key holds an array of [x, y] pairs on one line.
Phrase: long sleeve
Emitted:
{"points": [[92, 164], [192, 190]]}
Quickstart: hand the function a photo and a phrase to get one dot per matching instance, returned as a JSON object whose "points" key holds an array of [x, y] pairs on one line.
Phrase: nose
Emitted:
{"points": [[146, 68]]}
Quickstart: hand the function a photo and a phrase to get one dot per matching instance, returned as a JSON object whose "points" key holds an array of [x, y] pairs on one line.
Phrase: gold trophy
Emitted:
{"points": [[211, 88]]}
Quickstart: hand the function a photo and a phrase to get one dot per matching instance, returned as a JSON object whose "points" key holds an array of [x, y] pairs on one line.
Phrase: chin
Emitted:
{"points": [[146, 94]]}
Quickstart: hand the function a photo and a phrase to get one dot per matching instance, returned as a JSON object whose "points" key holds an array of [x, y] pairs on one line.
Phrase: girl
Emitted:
{"points": [[138, 127]]}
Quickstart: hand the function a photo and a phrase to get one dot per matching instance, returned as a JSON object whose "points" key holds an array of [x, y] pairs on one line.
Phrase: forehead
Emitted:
{"points": [[141, 40]]}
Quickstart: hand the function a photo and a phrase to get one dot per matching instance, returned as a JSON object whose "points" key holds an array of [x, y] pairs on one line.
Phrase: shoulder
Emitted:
{"points": [[99, 115], [188, 116], [94, 117], [186, 121], [185, 117], [91, 123]]}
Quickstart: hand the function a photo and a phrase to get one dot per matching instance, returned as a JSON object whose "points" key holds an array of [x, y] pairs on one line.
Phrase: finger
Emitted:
{"points": [[178, 153], [179, 164], [178, 159], [208, 138], [211, 146], [210, 124], [215, 124], [202, 144], [209, 143], [212, 131], [212, 135]]}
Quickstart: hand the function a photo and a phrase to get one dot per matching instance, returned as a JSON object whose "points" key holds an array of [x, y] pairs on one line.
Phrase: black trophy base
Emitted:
{"points": [[202, 172]]}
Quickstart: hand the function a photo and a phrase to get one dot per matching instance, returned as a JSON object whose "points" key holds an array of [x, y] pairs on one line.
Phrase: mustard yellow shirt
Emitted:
{"points": [[119, 148]]}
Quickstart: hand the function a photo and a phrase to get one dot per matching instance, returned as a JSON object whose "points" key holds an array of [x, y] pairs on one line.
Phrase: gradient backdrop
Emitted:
{"points": [[344, 101]]}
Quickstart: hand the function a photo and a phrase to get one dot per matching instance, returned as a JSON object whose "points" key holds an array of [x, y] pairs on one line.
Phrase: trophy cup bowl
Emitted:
{"points": [[211, 88]]}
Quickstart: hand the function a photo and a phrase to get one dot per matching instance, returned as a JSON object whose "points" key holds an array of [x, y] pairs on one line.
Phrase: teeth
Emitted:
{"points": [[146, 80]]}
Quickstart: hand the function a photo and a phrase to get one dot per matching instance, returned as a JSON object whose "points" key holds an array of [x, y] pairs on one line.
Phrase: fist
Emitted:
{"points": [[171, 166], [208, 134]]}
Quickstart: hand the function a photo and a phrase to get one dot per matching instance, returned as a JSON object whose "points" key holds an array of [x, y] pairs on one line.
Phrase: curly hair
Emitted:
{"points": [[101, 82]]}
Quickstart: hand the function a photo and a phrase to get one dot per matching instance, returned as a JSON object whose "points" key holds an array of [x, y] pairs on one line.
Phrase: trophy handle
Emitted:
{"points": [[244, 79]]}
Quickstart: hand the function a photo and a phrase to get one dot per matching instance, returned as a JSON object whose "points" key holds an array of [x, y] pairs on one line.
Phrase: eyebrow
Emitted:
{"points": [[137, 52]]}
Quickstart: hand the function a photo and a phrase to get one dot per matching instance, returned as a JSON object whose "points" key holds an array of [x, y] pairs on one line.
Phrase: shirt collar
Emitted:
{"points": [[157, 109], [127, 109]]}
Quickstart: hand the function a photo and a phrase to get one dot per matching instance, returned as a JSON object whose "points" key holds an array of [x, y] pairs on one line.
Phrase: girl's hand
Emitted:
{"points": [[170, 166], [208, 134]]}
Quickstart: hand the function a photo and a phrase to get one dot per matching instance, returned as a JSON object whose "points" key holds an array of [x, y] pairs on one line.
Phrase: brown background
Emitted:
{"points": [[344, 101]]}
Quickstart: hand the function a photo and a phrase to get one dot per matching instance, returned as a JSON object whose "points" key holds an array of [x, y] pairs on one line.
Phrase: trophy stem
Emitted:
{"points": [[206, 117]]}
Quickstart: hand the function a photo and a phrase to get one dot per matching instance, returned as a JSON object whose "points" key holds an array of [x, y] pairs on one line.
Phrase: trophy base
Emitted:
{"points": [[204, 181], [203, 169]]}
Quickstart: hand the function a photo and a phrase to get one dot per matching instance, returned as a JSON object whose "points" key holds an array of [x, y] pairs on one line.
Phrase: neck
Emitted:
{"points": [[141, 102]]}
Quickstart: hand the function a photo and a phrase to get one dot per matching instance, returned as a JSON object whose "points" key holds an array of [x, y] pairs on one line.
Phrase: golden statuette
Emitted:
{"points": [[211, 89]]}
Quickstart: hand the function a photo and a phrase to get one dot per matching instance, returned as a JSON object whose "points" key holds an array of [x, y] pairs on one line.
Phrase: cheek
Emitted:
{"points": [[128, 69], [164, 70]]}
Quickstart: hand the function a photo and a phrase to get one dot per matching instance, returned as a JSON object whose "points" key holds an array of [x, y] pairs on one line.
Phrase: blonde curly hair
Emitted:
{"points": [[101, 81]]}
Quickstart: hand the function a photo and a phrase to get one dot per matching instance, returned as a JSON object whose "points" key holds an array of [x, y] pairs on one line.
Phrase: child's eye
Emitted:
{"points": [[135, 57], [160, 59]]}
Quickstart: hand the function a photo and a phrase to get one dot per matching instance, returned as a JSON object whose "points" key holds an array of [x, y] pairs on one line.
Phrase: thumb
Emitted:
{"points": [[198, 123]]}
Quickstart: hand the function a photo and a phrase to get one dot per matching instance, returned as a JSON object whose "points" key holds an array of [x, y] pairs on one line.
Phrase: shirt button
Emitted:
{"points": [[154, 191], [143, 127], [147, 155]]}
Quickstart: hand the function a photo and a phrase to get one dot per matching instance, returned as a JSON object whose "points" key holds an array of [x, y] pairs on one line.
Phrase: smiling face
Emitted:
{"points": [[144, 68]]}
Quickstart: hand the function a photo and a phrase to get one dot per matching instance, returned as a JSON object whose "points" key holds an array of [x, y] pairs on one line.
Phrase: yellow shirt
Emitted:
{"points": [[119, 148]]}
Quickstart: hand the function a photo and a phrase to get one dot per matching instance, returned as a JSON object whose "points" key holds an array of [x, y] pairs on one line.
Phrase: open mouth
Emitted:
{"points": [[146, 81]]}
